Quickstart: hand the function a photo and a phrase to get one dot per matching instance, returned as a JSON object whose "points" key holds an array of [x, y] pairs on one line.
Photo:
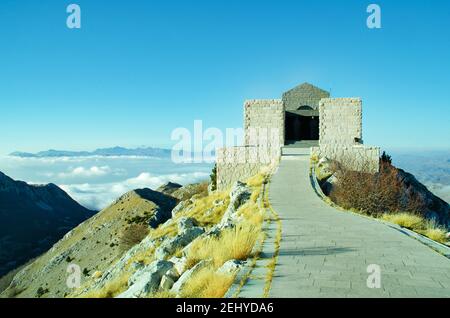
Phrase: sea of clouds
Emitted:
{"points": [[97, 181]]}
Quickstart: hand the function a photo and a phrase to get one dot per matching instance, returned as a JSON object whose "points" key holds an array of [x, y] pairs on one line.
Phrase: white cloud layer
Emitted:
{"points": [[99, 196], [93, 171]]}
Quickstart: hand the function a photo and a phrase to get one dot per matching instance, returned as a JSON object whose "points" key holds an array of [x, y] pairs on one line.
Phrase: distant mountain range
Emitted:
{"points": [[32, 219], [107, 152]]}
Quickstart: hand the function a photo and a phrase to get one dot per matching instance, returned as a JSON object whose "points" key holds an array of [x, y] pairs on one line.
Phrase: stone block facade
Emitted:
{"points": [[340, 135], [340, 121], [264, 122]]}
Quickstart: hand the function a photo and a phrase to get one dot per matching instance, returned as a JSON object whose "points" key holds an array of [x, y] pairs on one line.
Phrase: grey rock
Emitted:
{"points": [[146, 280], [231, 267], [181, 282], [328, 185], [180, 207], [179, 264], [239, 195], [166, 283], [119, 266], [186, 223], [169, 247]]}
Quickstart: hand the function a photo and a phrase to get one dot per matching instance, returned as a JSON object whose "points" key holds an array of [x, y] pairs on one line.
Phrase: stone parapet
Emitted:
{"points": [[357, 158]]}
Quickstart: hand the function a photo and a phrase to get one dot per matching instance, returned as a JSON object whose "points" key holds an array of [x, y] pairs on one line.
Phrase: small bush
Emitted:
{"points": [[213, 177], [373, 194], [207, 283], [385, 158], [132, 235], [41, 292]]}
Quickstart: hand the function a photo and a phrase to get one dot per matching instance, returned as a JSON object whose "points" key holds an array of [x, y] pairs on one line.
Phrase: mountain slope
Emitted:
{"points": [[32, 218], [94, 245]]}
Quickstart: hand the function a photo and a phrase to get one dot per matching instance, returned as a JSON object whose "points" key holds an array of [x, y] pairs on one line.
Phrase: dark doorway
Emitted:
{"points": [[298, 127]]}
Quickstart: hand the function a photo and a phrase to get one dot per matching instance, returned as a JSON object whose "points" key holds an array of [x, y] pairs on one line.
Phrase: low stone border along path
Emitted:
{"points": [[325, 252]]}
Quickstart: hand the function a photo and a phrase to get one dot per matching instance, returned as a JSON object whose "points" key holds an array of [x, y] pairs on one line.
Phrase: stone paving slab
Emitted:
{"points": [[325, 252]]}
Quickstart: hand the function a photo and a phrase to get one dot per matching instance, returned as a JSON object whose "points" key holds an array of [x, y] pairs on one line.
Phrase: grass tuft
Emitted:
{"points": [[207, 283], [236, 243], [406, 220]]}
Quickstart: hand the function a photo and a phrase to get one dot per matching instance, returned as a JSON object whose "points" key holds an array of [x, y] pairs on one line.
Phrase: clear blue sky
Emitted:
{"points": [[138, 69]]}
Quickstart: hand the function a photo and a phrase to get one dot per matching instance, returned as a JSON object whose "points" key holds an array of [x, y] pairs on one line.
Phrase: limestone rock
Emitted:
{"points": [[166, 283], [231, 267], [179, 264], [239, 195], [146, 280], [181, 282], [180, 207], [324, 169], [328, 185], [186, 223], [168, 247]]}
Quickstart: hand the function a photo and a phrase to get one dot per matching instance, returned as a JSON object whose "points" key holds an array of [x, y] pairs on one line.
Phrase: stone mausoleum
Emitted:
{"points": [[305, 117]]}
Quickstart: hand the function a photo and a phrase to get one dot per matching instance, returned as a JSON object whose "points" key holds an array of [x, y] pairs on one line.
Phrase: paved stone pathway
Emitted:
{"points": [[325, 252]]}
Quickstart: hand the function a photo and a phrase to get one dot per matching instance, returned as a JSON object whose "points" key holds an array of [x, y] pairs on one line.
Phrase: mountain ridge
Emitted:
{"points": [[33, 218], [107, 152]]}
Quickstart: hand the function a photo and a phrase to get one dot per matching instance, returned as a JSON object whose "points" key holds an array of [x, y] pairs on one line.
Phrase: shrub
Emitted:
{"points": [[41, 292], [213, 177], [373, 194], [132, 235], [385, 158]]}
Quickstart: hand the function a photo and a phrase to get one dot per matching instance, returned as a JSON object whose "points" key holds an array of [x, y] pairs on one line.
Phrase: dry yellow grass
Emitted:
{"points": [[436, 234], [405, 220], [257, 180], [110, 290], [252, 213], [418, 224], [210, 204], [236, 243], [207, 283], [162, 294]]}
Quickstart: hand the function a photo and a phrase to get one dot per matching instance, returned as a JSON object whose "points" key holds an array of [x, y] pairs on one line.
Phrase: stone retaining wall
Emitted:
{"points": [[240, 163], [358, 158]]}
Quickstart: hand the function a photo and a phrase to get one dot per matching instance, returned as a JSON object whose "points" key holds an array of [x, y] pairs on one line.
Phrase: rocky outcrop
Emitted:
{"points": [[181, 282], [187, 233], [239, 195], [147, 279]]}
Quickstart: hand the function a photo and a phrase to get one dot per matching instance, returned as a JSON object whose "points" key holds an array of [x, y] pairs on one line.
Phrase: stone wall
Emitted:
{"points": [[240, 163], [353, 157], [340, 121], [264, 122]]}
